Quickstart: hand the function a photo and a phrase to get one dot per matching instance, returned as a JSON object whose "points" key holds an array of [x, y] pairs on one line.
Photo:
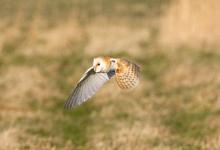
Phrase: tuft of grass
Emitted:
{"points": [[74, 126], [41, 132], [9, 47], [207, 57]]}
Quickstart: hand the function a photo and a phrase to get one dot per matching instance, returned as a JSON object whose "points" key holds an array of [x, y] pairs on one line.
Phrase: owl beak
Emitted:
{"points": [[95, 68]]}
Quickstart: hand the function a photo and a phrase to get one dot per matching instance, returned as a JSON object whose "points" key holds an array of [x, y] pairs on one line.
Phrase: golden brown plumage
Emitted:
{"points": [[127, 74]]}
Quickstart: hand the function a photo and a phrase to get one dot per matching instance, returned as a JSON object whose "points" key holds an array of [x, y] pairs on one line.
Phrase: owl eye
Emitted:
{"points": [[98, 64], [113, 61]]}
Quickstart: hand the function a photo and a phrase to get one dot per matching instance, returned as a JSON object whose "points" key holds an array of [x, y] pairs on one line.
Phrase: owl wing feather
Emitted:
{"points": [[87, 86], [127, 74]]}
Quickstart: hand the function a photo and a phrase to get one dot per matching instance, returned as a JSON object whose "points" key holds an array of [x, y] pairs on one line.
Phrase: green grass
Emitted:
{"points": [[189, 124], [189, 127], [154, 66], [75, 126]]}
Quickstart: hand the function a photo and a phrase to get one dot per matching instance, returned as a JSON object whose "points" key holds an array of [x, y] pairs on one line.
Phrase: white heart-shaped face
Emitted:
{"points": [[99, 65]]}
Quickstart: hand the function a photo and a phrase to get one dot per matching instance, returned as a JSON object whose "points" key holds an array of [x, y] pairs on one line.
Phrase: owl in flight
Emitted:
{"points": [[104, 68]]}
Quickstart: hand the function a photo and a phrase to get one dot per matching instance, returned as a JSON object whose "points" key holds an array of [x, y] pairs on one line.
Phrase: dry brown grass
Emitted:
{"points": [[211, 143], [21, 83], [55, 41], [193, 23], [110, 38], [189, 76], [9, 139], [128, 137]]}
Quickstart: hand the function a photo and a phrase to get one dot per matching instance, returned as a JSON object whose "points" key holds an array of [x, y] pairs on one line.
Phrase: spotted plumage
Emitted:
{"points": [[127, 75]]}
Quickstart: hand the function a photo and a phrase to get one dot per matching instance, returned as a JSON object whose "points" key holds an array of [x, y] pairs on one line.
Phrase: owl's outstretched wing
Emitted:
{"points": [[88, 85], [127, 74]]}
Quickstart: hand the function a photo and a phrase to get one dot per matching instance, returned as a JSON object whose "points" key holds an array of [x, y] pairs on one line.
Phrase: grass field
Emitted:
{"points": [[45, 46]]}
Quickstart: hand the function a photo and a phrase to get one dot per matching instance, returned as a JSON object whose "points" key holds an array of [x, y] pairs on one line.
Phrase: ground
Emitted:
{"points": [[45, 46]]}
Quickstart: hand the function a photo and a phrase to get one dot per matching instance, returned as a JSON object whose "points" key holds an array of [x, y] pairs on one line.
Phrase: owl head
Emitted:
{"points": [[100, 64], [103, 64]]}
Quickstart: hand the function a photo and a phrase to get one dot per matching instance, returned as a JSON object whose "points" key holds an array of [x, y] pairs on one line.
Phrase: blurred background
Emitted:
{"points": [[45, 46]]}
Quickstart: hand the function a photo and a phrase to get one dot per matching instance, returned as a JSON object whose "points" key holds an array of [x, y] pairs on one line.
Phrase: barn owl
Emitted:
{"points": [[103, 69]]}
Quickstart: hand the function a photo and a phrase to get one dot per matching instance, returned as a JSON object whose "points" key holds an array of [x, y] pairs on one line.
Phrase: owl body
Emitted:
{"points": [[127, 76]]}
